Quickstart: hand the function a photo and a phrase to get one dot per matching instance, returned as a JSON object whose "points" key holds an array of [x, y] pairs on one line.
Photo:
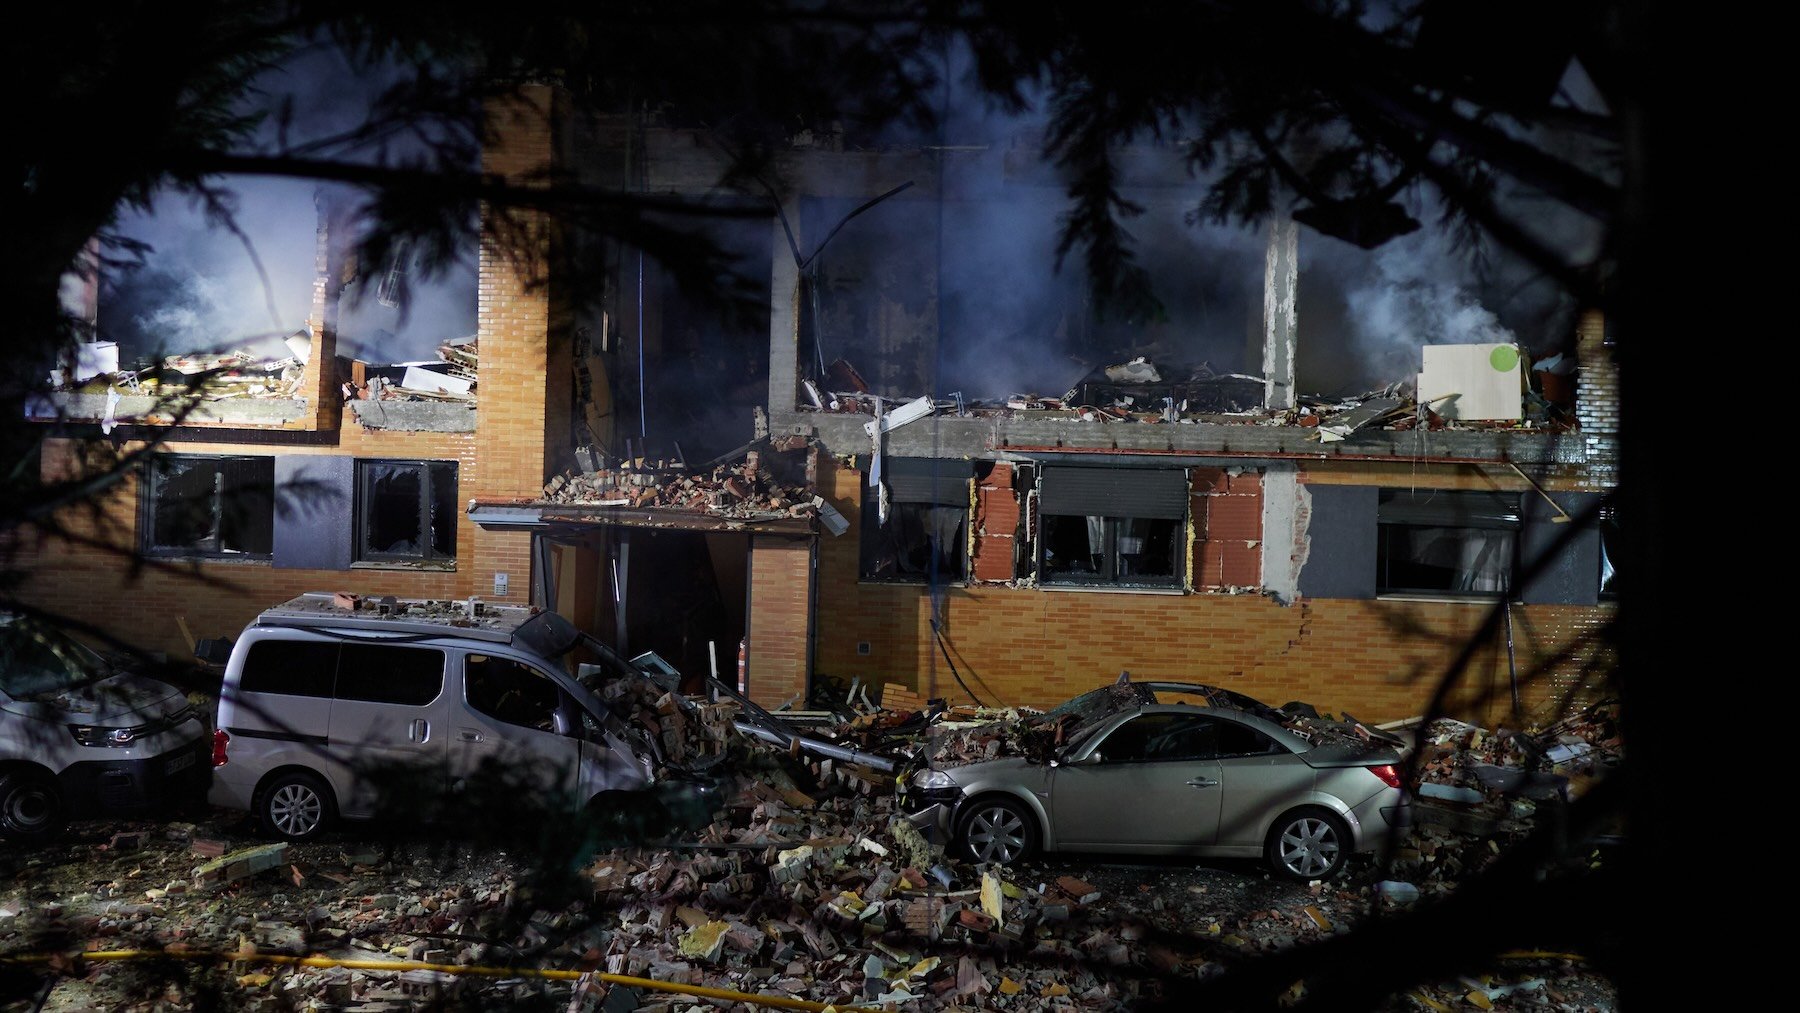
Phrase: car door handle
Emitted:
{"points": [[1203, 782], [419, 730], [471, 735]]}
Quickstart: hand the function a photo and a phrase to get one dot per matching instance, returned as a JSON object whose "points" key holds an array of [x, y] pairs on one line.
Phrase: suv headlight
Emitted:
{"points": [[928, 780], [100, 735]]}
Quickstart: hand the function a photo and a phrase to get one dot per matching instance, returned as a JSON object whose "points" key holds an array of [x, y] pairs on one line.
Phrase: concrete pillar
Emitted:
{"points": [[784, 320], [1281, 312], [324, 401], [1286, 510]]}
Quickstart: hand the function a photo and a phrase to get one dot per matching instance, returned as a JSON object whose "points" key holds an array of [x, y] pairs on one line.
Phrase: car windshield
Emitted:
{"points": [[37, 662]]}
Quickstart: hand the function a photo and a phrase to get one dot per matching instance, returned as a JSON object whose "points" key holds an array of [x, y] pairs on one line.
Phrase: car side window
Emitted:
{"points": [[508, 691], [1161, 738], [1241, 740]]}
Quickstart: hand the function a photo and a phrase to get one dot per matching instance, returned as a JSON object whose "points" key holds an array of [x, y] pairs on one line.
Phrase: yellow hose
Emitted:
{"points": [[557, 974]]}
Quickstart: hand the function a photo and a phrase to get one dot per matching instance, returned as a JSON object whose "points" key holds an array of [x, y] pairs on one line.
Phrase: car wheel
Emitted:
{"points": [[295, 807], [31, 808], [998, 830], [1308, 844]]}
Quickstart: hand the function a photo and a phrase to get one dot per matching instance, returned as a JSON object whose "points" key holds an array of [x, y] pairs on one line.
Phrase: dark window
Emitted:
{"points": [[1451, 543], [406, 510], [1122, 526], [290, 668], [384, 673], [1161, 737], [209, 506], [1110, 550], [507, 691], [925, 538]]}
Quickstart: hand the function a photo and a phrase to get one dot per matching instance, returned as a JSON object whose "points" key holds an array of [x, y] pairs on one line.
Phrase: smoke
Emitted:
{"points": [[199, 288]]}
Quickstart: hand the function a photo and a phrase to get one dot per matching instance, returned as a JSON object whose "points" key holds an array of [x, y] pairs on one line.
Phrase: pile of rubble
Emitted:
{"points": [[1142, 391], [453, 377], [743, 490]]}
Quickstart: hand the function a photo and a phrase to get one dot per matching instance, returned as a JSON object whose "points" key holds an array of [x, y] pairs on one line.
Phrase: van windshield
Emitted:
{"points": [[37, 662]]}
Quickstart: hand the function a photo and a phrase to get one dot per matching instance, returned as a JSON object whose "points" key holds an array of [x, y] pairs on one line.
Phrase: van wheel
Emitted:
{"points": [[295, 807], [31, 809]]}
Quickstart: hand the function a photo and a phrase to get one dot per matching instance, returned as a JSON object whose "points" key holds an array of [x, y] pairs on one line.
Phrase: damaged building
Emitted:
{"points": [[887, 479]]}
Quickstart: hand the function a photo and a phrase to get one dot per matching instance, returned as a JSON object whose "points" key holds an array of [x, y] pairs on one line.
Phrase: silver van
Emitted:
{"points": [[80, 737], [329, 700]]}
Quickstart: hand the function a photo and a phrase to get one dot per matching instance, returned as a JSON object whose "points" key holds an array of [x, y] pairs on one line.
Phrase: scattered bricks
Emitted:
{"points": [[969, 979], [878, 890], [705, 941], [346, 601], [970, 918], [128, 841], [424, 984], [241, 864], [1318, 917], [1078, 891], [991, 904], [746, 939], [692, 917], [926, 918], [819, 940]]}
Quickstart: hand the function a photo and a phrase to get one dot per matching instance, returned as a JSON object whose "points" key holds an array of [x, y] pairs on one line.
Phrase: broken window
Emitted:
{"points": [[925, 537], [209, 506], [1450, 543], [406, 510], [508, 691], [1118, 526]]}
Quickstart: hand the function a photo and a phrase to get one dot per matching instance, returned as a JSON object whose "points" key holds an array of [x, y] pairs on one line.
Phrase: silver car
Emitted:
{"points": [[1217, 774]]}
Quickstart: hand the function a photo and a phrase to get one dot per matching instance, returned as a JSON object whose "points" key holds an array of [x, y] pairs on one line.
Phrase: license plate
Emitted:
{"points": [[182, 762]]}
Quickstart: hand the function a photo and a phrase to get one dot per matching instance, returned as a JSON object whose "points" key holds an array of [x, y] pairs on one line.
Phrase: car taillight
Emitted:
{"points": [[220, 741], [1387, 772]]}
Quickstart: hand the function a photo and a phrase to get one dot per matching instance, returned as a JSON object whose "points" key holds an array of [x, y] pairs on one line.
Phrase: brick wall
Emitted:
{"points": [[780, 605], [1227, 512], [1597, 401], [523, 356], [1377, 659], [88, 576], [995, 527]]}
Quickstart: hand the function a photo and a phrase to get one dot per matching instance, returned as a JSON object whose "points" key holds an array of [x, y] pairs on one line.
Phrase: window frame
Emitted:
{"points": [[1439, 510], [950, 490], [151, 482], [1111, 578], [427, 553]]}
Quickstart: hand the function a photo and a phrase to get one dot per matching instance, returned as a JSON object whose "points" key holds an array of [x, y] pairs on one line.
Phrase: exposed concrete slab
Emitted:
{"points": [[132, 408], [948, 436], [415, 416]]}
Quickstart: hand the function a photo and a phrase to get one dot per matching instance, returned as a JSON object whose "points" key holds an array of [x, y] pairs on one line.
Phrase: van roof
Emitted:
{"points": [[471, 618]]}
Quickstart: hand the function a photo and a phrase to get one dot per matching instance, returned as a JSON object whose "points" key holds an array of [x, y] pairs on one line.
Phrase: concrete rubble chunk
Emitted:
{"points": [[241, 864]]}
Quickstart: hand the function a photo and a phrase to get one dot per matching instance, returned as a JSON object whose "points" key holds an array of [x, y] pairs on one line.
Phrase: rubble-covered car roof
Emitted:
{"points": [[1038, 736]]}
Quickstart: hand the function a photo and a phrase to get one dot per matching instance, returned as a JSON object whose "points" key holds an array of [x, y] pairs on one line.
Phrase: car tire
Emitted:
{"points": [[997, 829], [31, 809], [295, 807], [1308, 844]]}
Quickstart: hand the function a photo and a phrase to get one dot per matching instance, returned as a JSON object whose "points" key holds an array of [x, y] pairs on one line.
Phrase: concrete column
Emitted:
{"points": [[784, 321], [324, 401], [1286, 511], [1281, 312]]}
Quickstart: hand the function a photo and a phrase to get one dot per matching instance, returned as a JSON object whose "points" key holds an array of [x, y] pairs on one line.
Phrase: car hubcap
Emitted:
{"points": [[997, 835], [295, 809], [1308, 846], [28, 809]]}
